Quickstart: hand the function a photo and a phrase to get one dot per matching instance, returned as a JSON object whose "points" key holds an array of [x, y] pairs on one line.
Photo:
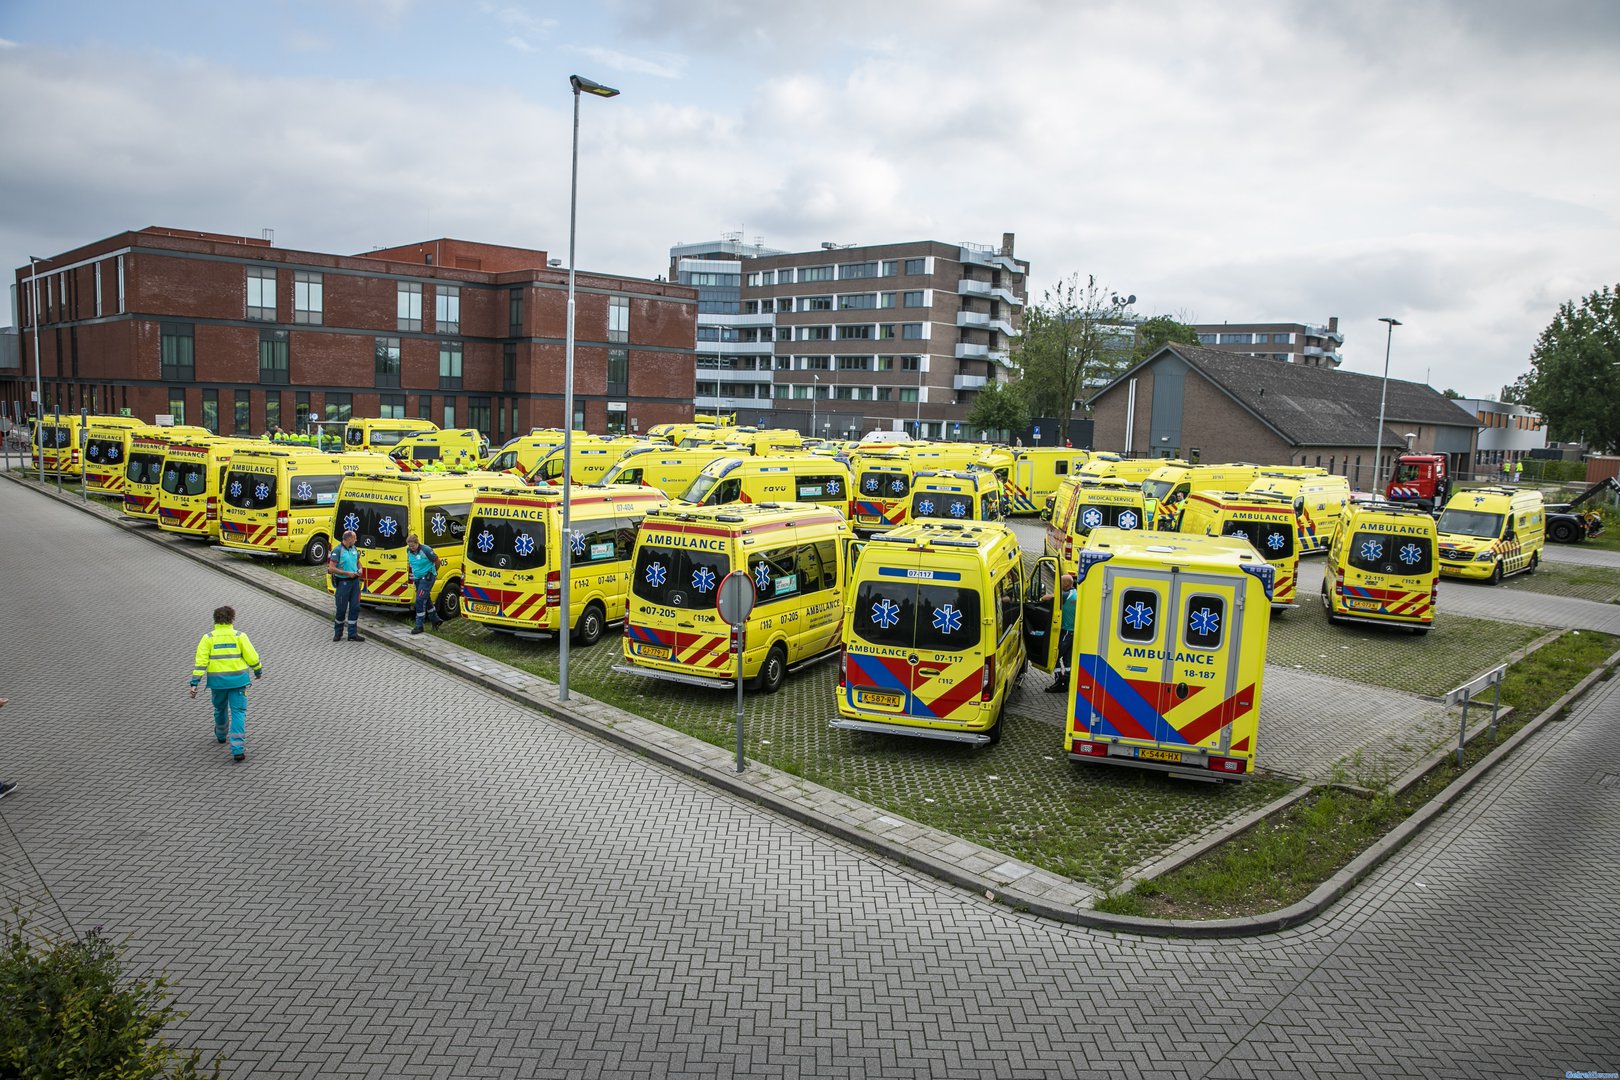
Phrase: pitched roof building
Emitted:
{"points": [[1221, 406]]}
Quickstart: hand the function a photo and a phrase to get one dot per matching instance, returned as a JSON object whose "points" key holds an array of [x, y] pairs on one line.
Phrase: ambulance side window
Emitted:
{"points": [[1138, 615], [818, 566], [1061, 467], [310, 491], [1009, 603], [1206, 621], [775, 574], [600, 542], [455, 520], [989, 507], [624, 537]]}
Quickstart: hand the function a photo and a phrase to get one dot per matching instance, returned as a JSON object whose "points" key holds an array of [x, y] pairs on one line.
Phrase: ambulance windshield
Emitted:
{"points": [[375, 524], [144, 468], [911, 614], [884, 485], [190, 478], [1386, 553], [505, 544], [1156, 489], [1273, 540], [679, 577], [710, 490], [950, 505], [1471, 523], [250, 491]]}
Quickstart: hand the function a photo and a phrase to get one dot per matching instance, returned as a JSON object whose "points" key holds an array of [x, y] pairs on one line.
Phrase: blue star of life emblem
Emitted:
{"points": [[958, 509], [1128, 520], [947, 620], [1410, 554], [1372, 551], [885, 613], [1275, 541], [305, 491], [236, 488], [192, 479], [95, 451], [656, 574], [1139, 616], [762, 577], [112, 453], [703, 579], [576, 542], [439, 523], [388, 526], [1205, 622], [898, 486], [833, 487], [261, 491], [486, 541], [925, 507], [1091, 518], [523, 545], [870, 485], [351, 522]]}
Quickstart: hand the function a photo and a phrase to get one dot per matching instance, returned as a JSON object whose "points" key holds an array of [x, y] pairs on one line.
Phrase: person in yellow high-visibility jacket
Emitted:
{"points": [[226, 656]]}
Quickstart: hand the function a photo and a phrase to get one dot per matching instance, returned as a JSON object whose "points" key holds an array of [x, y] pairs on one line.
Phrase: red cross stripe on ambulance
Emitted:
{"points": [[1139, 708]]}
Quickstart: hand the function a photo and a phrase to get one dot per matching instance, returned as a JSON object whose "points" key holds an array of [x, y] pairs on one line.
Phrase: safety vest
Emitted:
{"points": [[222, 653]]}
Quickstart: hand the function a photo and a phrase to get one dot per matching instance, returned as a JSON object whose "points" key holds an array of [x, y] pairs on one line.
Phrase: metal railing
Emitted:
{"points": [[1465, 695]]}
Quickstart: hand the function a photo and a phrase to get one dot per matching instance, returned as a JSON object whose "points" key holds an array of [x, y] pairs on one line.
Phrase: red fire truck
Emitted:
{"points": [[1421, 479]]}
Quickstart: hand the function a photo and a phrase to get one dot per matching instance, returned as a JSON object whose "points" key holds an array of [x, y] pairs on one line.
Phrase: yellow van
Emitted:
{"points": [[591, 455], [1037, 473], [453, 449], [1382, 567], [1319, 499], [373, 433], [143, 469], [1170, 637], [106, 451], [1266, 520], [800, 478], [1165, 491], [193, 472], [933, 632], [668, 470], [1081, 507], [384, 508], [1491, 532], [971, 495], [882, 476], [1131, 470], [278, 500], [794, 553], [57, 441], [512, 574]]}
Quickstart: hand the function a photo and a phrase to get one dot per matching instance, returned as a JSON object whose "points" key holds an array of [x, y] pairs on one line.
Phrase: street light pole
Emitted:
{"points": [[919, 395], [1383, 396], [39, 384], [564, 621], [814, 387]]}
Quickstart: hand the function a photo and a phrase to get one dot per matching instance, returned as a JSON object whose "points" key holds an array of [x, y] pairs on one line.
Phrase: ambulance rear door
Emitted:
{"points": [[1042, 617]]}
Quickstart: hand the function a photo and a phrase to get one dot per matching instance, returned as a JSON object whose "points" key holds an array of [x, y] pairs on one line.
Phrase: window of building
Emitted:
{"points": [[862, 332], [121, 290], [912, 298], [618, 318], [340, 407], [244, 414], [272, 411], [815, 363], [386, 361], [509, 366], [514, 311], [98, 290], [301, 410], [782, 390], [886, 300], [447, 309], [178, 352], [815, 273], [908, 393], [391, 406], [308, 298], [618, 371], [410, 306], [177, 404], [815, 303], [916, 266], [450, 367], [884, 393], [424, 407], [1237, 339], [784, 333], [275, 363], [478, 414], [850, 271], [891, 267], [910, 363], [911, 331], [261, 293], [210, 413], [854, 363], [886, 331], [1206, 339], [815, 333], [857, 301]]}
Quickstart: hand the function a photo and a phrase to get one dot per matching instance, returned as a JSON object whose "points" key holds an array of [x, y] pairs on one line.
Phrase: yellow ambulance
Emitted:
{"points": [[1490, 533], [800, 478], [1170, 639], [193, 473], [278, 500], [1382, 567], [591, 458], [882, 476], [106, 451], [793, 553], [1319, 499], [1036, 474], [1165, 491], [1131, 470], [143, 469], [384, 508], [1264, 519], [374, 433], [457, 449], [520, 455], [933, 633], [1082, 507], [512, 573], [969, 495], [57, 444], [668, 470]]}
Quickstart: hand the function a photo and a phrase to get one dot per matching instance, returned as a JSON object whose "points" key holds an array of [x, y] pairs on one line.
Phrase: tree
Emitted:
{"points": [[1574, 380], [1159, 331], [1451, 395], [1074, 341], [999, 407]]}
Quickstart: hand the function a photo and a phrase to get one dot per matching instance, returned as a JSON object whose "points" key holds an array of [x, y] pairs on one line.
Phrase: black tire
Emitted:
{"points": [[591, 624], [995, 728], [1564, 532], [1327, 605], [1535, 562], [448, 605], [773, 672], [1420, 630], [316, 551], [1496, 573]]}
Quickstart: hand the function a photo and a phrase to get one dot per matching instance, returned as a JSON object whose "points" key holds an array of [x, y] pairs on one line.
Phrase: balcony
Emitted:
{"points": [[966, 350], [709, 374], [969, 287], [969, 382], [977, 256], [735, 348], [977, 319]]}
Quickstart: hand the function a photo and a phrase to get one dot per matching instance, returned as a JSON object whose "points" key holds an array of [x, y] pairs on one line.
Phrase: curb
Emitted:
{"points": [[738, 784]]}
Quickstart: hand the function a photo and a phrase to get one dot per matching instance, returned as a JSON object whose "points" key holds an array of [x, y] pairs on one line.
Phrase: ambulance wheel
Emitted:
{"points": [[316, 551], [995, 728], [1327, 605], [1420, 630], [1496, 573], [773, 672], [591, 623], [1535, 561], [449, 603]]}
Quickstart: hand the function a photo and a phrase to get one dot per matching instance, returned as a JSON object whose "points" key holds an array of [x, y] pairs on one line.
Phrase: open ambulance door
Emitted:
{"points": [[852, 552], [1041, 618]]}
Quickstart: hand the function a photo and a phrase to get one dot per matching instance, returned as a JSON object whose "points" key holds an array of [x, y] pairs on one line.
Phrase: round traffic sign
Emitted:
{"points": [[734, 600]]}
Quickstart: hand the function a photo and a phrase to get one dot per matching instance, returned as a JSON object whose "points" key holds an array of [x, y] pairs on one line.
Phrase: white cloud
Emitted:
{"points": [[661, 66]]}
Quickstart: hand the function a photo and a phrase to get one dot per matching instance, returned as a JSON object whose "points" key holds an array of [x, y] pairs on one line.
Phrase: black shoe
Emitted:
{"points": [[356, 637], [239, 755], [338, 636], [437, 623], [219, 738], [7, 789], [1057, 688], [416, 629]]}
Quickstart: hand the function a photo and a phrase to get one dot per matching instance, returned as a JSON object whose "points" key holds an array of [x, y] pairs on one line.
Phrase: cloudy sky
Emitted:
{"points": [[1454, 165]]}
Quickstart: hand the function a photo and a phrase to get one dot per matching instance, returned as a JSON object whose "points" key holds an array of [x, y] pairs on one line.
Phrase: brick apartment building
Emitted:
{"points": [[1292, 343], [236, 334], [848, 339], [1188, 401]]}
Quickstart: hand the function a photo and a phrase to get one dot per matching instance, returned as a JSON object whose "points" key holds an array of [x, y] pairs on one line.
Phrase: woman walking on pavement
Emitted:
{"points": [[424, 564], [226, 655]]}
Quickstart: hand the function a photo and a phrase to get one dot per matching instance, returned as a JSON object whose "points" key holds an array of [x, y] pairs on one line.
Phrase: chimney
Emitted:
{"points": [[1333, 322], [1006, 243]]}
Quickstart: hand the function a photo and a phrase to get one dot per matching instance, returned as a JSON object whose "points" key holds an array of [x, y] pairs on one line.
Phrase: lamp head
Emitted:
{"points": [[580, 82], [1392, 322]]}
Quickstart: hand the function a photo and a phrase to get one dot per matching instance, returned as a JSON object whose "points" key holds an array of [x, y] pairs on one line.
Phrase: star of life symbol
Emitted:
{"points": [[388, 526], [1205, 622], [236, 488], [1139, 616], [192, 479], [523, 545], [351, 522], [947, 620], [439, 523], [656, 574], [1091, 518], [576, 542], [1410, 554], [305, 491], [1275, 541], [925, 507], [833, 487], [261, 491], [885, 613], [870, 484], [762, 577], [958, 509], [703, 579], [112, 453], [95, 451], [1128, 520], [1372, 551], [486, 541], [898, 486]]}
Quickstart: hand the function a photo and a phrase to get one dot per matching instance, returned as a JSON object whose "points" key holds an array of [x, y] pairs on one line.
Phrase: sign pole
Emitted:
{"points": [[734, 602], [737, 644]]}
